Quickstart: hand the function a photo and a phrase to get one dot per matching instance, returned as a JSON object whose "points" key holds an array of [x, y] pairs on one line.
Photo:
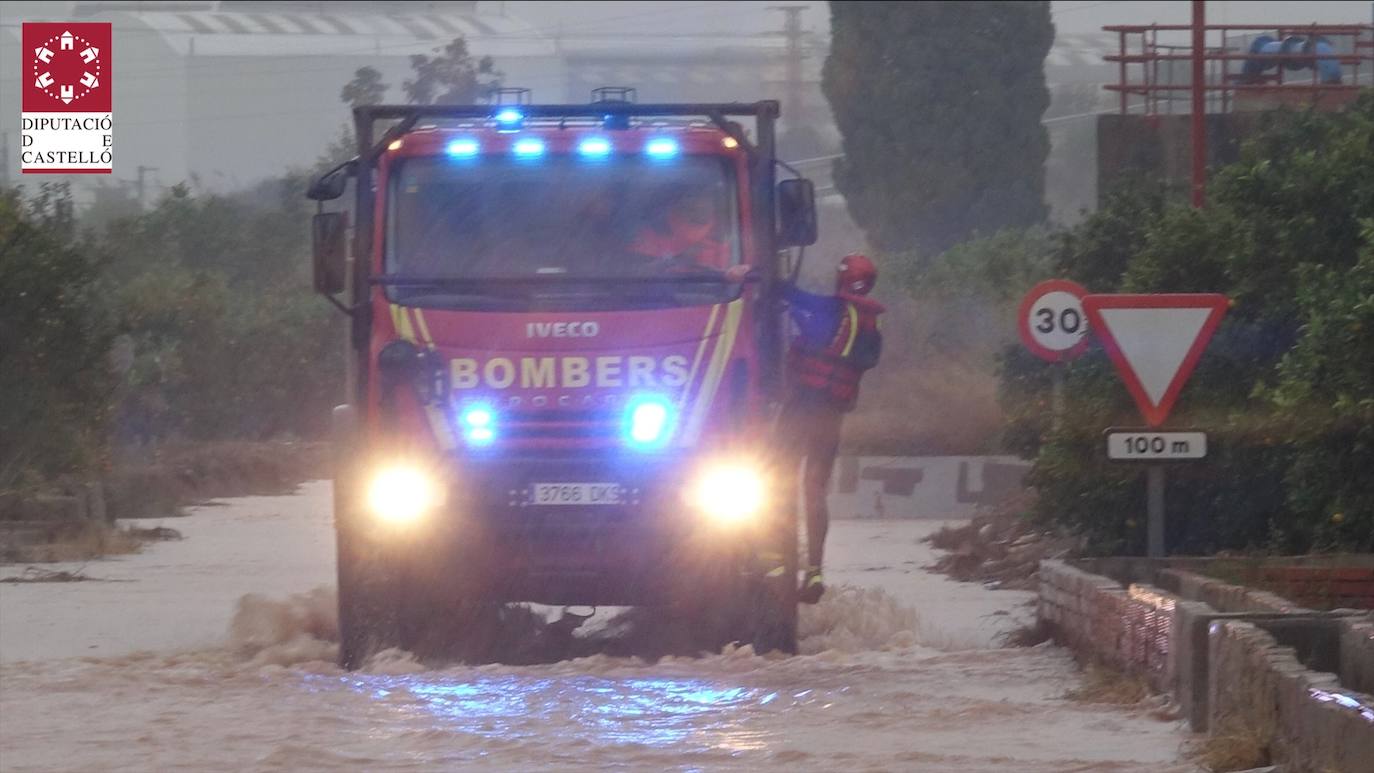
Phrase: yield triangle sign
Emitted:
{"points": [[1155, 342]]}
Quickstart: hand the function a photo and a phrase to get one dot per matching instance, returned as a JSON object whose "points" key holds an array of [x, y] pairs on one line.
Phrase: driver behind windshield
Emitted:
{"points": [[682, 234]]}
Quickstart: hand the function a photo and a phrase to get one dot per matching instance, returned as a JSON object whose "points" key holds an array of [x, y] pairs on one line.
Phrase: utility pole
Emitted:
{"points": [[1199, 117], [139, 187], [792, 31]]}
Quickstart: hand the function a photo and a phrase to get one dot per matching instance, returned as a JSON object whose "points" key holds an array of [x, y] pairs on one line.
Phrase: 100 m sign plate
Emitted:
{"points": [[1143, 445]]}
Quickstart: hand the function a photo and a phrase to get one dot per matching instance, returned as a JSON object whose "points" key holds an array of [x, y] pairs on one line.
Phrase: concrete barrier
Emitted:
{"points": [[1128, 627], [1260, 686], [935, 487], [1236, 659]]}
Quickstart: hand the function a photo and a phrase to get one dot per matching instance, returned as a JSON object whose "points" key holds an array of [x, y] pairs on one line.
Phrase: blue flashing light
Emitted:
{"points": [[477, 421], [662, 148], [477, 416], [648, 421], [594, 147], [528, 147], [465, 148], [509, 117]]}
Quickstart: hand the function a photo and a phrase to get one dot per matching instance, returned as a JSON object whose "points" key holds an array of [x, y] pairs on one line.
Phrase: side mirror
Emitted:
{"points": [[332, 184], [329, 232], [796, 213]]}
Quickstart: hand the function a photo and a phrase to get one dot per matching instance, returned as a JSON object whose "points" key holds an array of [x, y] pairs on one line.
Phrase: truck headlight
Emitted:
{"points": [[403, 494], [729, 492]]}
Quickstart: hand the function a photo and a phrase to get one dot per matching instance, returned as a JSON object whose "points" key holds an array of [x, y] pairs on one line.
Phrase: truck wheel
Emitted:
{"points": [[775, 613], [367, 620], [367, 623], [773, 593], [720, 609], [446, 613]]}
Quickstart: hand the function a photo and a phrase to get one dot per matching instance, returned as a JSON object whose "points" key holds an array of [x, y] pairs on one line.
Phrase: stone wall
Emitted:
{"points": [[1126, 627], [1237, 660], [1259, 687]]}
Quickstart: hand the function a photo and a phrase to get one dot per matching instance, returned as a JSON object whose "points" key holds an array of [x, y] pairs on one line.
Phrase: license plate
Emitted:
{"points": [[577, 494]]}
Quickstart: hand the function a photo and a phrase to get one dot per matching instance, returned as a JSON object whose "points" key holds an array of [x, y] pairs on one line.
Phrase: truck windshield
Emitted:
{"points": [[561, 232]]}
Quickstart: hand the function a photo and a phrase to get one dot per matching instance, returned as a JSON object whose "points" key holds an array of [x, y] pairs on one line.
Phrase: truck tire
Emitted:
{"points": [[773, 593], [366, 589], [444, 609], [408, 596]]}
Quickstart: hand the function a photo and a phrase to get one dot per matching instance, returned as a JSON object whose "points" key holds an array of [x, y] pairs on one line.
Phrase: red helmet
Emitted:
{"points": [[857, 275]]}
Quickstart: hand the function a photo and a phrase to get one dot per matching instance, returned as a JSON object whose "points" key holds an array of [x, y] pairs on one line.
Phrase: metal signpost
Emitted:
{"points": [[1155, 341]]}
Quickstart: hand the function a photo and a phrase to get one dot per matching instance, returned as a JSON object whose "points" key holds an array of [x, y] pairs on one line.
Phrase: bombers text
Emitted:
{"points": [[608, 371]]}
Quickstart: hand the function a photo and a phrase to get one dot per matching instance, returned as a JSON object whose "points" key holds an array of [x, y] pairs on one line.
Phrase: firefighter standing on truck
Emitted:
{"points": [[837, 341]]}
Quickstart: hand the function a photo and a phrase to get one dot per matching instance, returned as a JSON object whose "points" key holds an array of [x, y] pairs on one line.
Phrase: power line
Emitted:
{"points": [[1079, 8], [1057, 119]]}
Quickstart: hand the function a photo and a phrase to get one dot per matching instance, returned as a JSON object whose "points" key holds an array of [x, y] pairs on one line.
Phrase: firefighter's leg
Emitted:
{"points": [[822, 445]]}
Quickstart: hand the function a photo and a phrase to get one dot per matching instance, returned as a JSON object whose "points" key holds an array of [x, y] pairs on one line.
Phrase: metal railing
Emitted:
{"points": [[1151, 82]]}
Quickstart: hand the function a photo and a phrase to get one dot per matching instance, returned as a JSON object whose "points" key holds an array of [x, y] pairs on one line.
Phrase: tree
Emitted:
{"points": [[451, 77], [1329, 376], [939, 106], [366, 88], [55, 380], [1286, 388], [226, 340]]}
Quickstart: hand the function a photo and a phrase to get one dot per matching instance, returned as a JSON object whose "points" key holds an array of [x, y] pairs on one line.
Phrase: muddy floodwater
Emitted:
{"points": [[216, 653]]}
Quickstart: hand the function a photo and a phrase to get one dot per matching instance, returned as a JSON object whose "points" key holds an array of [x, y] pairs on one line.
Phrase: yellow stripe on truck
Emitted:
{"points": [[696, 361], [424, 328], [725, 346]]}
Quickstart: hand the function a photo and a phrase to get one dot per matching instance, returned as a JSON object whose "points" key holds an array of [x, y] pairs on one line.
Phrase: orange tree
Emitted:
{"points": [[1285, 389]]}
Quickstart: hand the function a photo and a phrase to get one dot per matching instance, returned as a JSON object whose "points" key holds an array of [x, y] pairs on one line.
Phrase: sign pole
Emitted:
{"points": [[1154, 497], [1057, 396]]}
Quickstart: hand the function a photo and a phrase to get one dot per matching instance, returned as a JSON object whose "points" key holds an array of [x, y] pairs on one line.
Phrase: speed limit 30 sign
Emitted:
{"points": [[1051, 320]]}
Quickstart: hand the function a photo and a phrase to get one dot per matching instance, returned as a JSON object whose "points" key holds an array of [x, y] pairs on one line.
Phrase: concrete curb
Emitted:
{"points": [[1232, 656]]}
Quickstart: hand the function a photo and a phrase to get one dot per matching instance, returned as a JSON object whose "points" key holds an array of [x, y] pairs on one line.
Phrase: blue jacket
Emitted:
{"points": [[817, 316]]}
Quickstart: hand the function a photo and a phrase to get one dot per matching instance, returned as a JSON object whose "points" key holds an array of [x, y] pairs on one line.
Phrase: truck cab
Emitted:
{"points": [[566, 359]]}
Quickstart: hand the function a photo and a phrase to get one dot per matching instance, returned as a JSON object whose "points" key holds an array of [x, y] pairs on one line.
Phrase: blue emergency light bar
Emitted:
{"points": [[528, 147], [463, 148], [509, 118], [595, 147], [662, 148]]}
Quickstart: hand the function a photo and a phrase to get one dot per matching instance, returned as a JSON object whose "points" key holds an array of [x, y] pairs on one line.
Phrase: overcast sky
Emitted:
{"points": [[1070, 16]]}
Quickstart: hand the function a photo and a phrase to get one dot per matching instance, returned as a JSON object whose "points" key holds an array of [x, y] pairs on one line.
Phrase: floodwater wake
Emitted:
{"points": [[303, 629]]}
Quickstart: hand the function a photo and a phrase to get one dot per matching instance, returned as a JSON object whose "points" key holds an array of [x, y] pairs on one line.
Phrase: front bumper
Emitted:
{"points": [[649, 548]]}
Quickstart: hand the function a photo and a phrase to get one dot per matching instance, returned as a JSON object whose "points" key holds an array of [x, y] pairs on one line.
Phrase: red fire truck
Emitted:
{"points": [[566, 353]]}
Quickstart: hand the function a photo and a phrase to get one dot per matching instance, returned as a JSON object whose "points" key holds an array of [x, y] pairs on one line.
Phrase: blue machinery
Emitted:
{"points": [[1293, 52]]}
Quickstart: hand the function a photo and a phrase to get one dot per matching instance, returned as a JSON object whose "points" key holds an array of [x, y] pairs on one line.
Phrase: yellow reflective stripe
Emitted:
{"points": [[853, 312], [711, 381], [424, 328], [401, 320], [696, 362]]}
